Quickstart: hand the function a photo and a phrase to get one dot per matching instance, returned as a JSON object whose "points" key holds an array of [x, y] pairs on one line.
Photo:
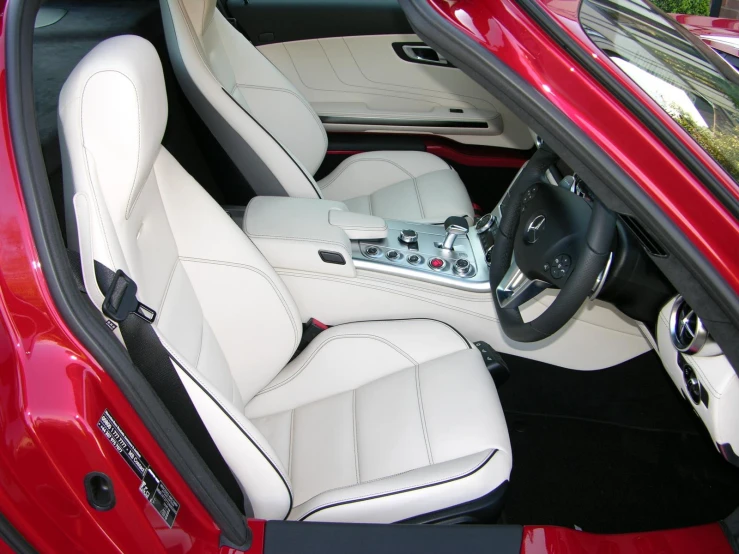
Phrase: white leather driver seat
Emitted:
{"points": [[275, 138], [373, 422]]}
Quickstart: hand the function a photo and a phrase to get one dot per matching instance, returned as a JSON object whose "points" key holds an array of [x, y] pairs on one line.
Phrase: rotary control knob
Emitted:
{"points": [[484, 223], [408, 236], [462, 267]]}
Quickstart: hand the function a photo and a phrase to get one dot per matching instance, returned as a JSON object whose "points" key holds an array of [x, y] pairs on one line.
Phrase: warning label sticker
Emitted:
{"points": [[151, 486]]}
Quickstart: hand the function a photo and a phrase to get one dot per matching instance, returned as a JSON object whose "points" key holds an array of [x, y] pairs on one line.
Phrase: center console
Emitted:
{"points": [[452, 255], [323, 236], [341, 266]]}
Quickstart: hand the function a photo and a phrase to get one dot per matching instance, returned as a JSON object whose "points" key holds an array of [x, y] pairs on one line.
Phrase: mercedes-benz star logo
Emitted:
{"points": [[533, 231]]}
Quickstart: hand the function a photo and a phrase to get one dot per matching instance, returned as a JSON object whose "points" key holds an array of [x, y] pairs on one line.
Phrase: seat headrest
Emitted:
{"points": [[113, 112], [200, 13]]}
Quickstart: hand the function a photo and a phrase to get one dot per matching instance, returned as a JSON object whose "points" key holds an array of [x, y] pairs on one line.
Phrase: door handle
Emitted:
{"points": [[424, 54]]}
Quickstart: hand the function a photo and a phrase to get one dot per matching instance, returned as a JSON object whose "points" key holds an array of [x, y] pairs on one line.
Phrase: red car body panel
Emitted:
{"points": [[706, 539], [52, 392]]}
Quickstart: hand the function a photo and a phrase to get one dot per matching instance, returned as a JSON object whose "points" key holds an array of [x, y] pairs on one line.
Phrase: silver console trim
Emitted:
{"points": [[435, 278], [467, 247]]}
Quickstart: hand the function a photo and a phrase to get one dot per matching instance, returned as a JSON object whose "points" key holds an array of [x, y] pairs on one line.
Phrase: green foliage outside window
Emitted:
{"points": [[721, 142], [690, 7]]}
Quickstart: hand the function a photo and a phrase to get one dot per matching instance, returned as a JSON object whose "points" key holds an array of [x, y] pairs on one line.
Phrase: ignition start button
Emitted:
{"points": [[437, 264]]}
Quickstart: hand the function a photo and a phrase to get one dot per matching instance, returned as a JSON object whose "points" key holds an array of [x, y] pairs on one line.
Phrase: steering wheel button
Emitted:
{"points": [[558, 273]]}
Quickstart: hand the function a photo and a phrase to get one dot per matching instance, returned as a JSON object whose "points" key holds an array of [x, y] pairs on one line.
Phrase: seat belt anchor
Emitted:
{"points": [[120, 300]]}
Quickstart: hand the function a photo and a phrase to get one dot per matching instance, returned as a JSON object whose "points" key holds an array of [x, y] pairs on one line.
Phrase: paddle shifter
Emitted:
{"points": [[454, 226]]}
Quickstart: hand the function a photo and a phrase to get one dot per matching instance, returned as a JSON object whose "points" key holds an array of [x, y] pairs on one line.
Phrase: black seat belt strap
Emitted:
{"points": [[154, 362]]}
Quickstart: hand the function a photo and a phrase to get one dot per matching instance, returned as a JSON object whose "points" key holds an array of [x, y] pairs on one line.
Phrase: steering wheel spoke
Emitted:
{"points": [[515, 288]]}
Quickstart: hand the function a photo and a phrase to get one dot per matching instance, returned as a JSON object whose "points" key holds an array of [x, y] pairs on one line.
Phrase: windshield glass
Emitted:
{"points": [[648, 47]]}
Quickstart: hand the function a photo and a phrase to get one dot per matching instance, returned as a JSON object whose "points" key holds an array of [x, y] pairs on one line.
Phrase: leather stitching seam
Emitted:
{"points": [[194, 375], [326, 342], [261, 274], [419, 396], [441, 481]]}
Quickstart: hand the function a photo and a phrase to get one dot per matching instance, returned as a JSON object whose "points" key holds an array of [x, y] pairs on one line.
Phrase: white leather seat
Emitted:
{"points": [[372, 422], [275, 138]]}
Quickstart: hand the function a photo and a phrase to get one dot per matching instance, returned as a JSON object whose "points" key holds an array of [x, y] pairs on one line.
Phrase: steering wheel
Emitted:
{"points": [[548, 237]]}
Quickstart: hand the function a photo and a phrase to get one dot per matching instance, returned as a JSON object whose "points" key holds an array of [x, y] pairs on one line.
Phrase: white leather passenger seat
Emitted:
{"points": [[275, 138], [373, 422]]}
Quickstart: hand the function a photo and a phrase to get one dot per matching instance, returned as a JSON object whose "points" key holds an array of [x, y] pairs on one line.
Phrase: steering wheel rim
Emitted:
{"points": [[511, 286]]}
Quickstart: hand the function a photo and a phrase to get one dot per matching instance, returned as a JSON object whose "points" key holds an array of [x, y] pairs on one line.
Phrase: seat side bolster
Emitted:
{"points": [[411, 493], [250, 457]]}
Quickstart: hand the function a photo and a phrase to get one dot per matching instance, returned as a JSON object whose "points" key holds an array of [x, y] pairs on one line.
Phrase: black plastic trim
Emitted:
{"points": [[331, 257], [398, 47], [410, 489], [359, 120], [368, 142], [686, 267], [291, 537], [82, 319], [12, 537], [695, 165]]}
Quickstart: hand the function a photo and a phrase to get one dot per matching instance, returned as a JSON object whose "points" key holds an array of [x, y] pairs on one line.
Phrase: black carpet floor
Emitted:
{"points": [[610, 451]]}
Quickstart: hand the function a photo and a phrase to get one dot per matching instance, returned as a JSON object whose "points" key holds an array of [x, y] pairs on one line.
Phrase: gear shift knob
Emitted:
{"points": [[454, 226]]}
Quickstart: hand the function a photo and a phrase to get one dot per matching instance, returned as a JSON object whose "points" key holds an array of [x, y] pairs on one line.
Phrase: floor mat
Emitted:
{"points": [[610, 451]]}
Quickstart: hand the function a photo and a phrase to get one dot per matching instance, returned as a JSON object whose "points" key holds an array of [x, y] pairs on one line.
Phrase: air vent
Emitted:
{"points": [[649, 243], [686, 329]]}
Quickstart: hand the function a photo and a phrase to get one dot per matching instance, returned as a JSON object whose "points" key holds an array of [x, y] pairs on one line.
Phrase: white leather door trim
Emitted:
{"points": [[366, 73]]}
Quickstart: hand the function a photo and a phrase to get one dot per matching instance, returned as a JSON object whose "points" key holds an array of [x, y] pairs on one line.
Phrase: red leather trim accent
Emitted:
{"points": [[474, 155]]}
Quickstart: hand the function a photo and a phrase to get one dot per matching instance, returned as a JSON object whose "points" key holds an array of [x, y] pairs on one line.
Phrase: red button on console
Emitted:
{"points": [[436, 263]]}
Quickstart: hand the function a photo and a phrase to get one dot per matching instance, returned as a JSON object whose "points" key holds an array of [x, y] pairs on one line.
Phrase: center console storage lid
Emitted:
{"points": [[359, 226]]}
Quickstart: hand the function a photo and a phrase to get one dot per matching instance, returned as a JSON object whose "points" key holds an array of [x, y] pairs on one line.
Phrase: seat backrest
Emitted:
{"points": [[222, 311], [267, 127]]}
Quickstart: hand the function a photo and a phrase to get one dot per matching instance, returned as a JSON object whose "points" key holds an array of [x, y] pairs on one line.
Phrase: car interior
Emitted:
{"points": [[314, 203]]}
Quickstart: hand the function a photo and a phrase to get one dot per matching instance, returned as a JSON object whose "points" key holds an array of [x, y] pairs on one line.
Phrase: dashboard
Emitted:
{"points": [[632, 282]]}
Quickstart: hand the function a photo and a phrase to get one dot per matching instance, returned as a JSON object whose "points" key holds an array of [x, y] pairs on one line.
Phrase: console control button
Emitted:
{"points": [[415, 259], [437, 264], [373, 251], [462, 267], [393, 255], [408, 236]]}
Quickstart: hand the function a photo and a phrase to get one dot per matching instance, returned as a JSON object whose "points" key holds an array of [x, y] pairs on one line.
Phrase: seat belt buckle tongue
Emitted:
{"points": [[311, 330], [120, 300]]}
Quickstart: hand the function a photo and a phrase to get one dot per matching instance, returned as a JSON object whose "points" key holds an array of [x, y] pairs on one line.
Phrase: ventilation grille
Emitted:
{"points": [[686, 329], [649, 243]]}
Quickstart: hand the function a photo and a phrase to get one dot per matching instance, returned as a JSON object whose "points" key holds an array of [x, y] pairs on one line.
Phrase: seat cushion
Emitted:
{"points": [[383, 421], [409, 186]]}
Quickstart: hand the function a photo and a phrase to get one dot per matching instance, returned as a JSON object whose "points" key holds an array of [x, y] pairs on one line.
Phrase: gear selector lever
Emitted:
{"points": [[454, 226]]}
